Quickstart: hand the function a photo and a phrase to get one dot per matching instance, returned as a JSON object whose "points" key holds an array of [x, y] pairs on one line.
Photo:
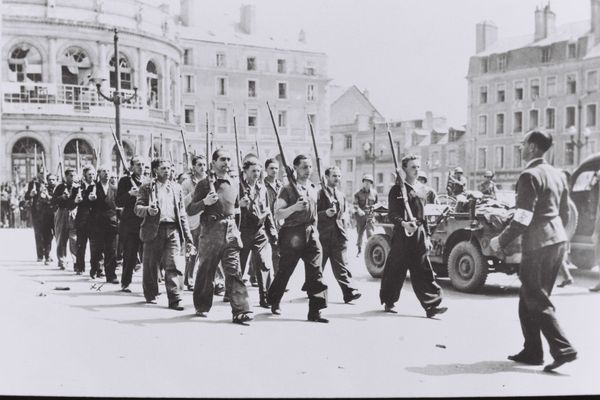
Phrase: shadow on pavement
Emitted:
{"points": [[481, 368], [185, 318], [364, 316]]}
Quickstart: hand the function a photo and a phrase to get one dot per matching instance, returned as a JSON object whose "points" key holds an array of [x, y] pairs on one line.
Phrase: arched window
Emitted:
{"points": [[173, 86], [152, 83], [124, 70], [115, 156], [24, 64], [23, 163], [86, 154], [76, 67]]}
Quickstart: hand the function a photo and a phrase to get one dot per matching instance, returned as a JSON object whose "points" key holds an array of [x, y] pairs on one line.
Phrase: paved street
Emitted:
{"points": [[98, 342]]}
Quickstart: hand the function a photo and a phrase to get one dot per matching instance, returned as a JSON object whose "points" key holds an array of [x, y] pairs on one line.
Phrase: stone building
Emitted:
{"points": [[548, 79]]}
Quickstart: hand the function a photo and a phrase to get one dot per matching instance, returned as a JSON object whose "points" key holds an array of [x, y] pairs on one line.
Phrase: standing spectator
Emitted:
{"points": [[457, 183], [364, 200], [488, 187]]}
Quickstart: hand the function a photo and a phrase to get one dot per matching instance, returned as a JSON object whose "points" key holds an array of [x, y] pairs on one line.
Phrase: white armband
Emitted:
{"points": [[523, 217]]}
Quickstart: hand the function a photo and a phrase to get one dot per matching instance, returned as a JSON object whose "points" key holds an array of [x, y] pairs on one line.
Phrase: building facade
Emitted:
{"points": [[545, 80]]}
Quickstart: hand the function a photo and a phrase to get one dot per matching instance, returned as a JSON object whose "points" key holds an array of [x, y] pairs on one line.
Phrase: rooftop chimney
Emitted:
{"points": [[428, 122], [302, 36], [189, 10], [248, 18], [545, 22], [486, 34], [595, 20]]}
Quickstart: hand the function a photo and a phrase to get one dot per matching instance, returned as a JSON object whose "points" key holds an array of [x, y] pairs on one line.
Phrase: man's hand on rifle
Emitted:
{"points": [[190, 250], [409, 226], [244, 201], [211, 199], [360, 212], [152, 210], [330, 212], [300, 205], [134, 191]]}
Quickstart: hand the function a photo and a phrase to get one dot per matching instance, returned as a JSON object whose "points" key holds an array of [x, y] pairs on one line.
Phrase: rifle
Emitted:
{"points": [[44, 164], [160, 151], [78, 161], [400, 182], [238, 158], [208, 155], [318, 161], [120, 151], [35, 166], [288, 170], [59, 167], [151, 149], [185, 147]]}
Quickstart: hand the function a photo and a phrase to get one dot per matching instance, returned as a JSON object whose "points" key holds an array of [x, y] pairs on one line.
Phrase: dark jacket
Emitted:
{"points": [[542, 208], [397, 208], [103, 209], [332, 228], [258, 213], [84, 208], [58, 201], [129, 221]]}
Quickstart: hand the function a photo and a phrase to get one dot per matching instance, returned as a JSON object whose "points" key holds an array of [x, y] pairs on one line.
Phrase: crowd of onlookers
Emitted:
{"points": [[14, 209]]}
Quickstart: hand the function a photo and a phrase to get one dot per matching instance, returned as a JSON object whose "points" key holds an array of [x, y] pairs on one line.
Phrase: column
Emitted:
{"points": [[106, 146], [141, 79], [52, 65], [101, 67], [52, 155], [165, 84]]}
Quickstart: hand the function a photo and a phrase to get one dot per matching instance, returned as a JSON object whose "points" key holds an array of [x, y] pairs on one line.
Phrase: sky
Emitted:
{"points": [[411, 55]]}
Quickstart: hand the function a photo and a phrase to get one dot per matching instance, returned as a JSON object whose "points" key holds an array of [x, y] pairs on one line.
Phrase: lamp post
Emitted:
{"points": [[583, 135], [117, 97]]}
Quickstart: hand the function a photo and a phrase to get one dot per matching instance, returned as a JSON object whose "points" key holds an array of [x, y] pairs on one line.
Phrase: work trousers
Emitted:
{"points": [[335, 250], [537, 273], [190, 262], [255, 246], [36, 222], [103, 242], [409, 253], [219, 242], [64, 228], [131, 248], [160, 252], [363, 224], [295, 243], [83, 236]]}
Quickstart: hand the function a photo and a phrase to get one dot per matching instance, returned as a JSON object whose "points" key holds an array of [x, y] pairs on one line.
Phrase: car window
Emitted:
{"points": [[584, 182]]}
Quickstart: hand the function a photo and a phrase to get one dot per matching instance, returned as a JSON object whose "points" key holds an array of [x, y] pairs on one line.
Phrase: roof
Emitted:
{"points": [[335, 92], [567, 32]]}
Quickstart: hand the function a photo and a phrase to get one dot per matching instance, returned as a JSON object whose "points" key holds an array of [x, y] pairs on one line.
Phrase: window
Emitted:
{"points": [[187, 56], [434, 159], [221, 60], [572, 50], [592, 80], [482, 158], [124, 70], [222, 126], [282, 90], [500, 93], [519, 90], [222, 86], [546, 54], [281, 66], [252, 118], [189, 115], [502, 62], [349, 165], [518, 122], [571, 84], [152, 85], [534, 88], [534, 119], [499, 124], [189, 83], [517, 157], [310, 92], [251, 88], [484, 65], [282, 119], [551, 86], [309, 69], [590, 115], [482, 125], [348, 143], [251, 63], [338, 163], [569, 153], [25, 63], [570, 116], [452, 157], [550, 118], [483, 95], [75, 66], [499, 158]]}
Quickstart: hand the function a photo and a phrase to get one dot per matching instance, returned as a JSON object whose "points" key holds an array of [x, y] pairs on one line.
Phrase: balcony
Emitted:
{"points": [[72, 100]]}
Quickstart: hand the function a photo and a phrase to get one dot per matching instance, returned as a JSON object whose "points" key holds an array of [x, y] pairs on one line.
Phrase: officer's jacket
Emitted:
{"points": [[334, 226], [542, 208]]}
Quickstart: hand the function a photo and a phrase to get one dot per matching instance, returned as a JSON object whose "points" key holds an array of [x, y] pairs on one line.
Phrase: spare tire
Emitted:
{"points": [[377, 251], [467, 268], [571, 226]]}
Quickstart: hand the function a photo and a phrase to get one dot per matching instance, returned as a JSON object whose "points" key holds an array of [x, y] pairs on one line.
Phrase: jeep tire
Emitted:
{"points": [[467, 268]]}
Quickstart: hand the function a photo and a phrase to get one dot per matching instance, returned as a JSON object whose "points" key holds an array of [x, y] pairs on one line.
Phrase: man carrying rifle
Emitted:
{"points": [[219, 240], [273, 185], [256, 227], [364, 200], [409, 247], [63, 218], [299, 239], [82, 197], [331, 207], [36, 194]]}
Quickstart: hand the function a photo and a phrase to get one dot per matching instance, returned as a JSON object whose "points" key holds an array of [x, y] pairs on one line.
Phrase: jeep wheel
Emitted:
{"points": [[376, 252], [467, 268]]}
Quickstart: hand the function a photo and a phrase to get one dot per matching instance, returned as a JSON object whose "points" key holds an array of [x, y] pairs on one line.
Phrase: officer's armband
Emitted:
{"points": [[523, 217]]}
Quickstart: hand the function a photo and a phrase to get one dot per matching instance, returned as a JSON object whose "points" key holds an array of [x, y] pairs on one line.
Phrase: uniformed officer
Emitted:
{"points": [[541, 212], [488, 187], [331, 207], [364, 200], [299, 239], [409, 247], [457, 183]]}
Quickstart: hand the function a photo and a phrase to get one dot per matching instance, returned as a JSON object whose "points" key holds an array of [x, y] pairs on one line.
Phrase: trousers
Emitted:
{"points": [[255, 245], [538, 271], [363, 223], [83, 235], [131, 248], [103, 242], [335, 250], [64, 228]]}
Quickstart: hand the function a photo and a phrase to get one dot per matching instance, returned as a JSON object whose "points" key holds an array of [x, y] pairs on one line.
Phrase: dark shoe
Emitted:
{"points": [[151, 301], [253, 281], [523, 358], [264, 304], [100, 274], [242, 319], [354, 296], [219, 290], [46, 262], [303, 288], [359, 251], [189, 288], [61, 267], [275, 309], [560, 361], [176, 307], [114, 281], [225, 299], [201, 314], [92, 275], [316, 317], [390, 309], [40, 259], [433, 311], [137, 267], [79, 273], [125, 289], [595, 288], [564, 283]]}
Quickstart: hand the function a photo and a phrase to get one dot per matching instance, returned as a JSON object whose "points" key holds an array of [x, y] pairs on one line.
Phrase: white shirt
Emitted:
{"points": [[166, 202]]}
